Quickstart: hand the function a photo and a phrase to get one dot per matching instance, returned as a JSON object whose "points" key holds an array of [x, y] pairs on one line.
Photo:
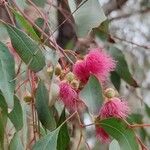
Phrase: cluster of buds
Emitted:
{"points": [[69, 88]]}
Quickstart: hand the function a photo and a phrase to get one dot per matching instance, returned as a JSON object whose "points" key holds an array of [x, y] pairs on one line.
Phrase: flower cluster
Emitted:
{"points": [[100, 64], [68, 95], [96, 62]]}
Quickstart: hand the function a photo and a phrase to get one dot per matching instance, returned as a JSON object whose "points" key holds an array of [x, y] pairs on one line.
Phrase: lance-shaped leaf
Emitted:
{"points": [[3, 119], [26, 48], [15, 143], [16, 115], [147, 109], [116, 80], [102, 31], [122, 67], [40, 3], [26, 26], [45, 115], [88, 16], [48, 142], [7, 74], [119, 130], [63, 136], [91, 95]]}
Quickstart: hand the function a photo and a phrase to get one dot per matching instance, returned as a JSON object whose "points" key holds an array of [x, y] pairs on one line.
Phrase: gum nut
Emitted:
{"points": [[69, 76], [28, 98], [110, 93], [58, 70], [75, 84]]}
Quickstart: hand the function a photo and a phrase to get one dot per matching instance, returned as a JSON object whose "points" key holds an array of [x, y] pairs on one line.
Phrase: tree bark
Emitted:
{"points": [[66, 30]]}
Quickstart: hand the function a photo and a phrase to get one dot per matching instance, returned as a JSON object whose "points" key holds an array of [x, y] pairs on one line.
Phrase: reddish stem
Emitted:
{"points": [[139, 125]]}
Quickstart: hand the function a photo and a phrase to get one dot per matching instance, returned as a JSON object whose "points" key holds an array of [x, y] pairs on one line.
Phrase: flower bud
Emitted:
{"points": [[75, 84], [110, 93], [69, 76], [58, 70], [50, 71], [28, 98]]}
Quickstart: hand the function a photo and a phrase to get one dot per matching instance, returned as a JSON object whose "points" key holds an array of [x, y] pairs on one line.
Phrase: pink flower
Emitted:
{"points": [[81, 71], [68, 95], [97, 62], [100, 63], [102, 135], [114, 108]]}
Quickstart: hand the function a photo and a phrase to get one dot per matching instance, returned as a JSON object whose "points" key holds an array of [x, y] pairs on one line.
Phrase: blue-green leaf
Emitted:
{"points": [[3, 119], [15, 143], [116, 80], [16, 115], [40, 3], [88, 16], [48, 142], [45, 115], [91, 95], [26, 48], [63, 136], [122, 67], [26, 26], [119, 130], [7, 74]]}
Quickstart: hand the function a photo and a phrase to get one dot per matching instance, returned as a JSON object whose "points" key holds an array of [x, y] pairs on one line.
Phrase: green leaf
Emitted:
{"points": [[47, 142], [103, 31], [91, 95], [119, 130], [135, 118], [26, 48], [15, 143], [63, 136], [116, 80], [143, 134], [3, 119], [147, 108], [3, 104], [122, 68], [88, 16], [40, 23], [44, 114], [26, 25], [40, 3], [16, 115], [3, 33], [7, 74]]}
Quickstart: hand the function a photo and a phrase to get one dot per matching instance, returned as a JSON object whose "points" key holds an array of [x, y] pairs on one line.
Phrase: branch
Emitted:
{"points": [[53, 44], [130, 42], [130, 14], [113, 5]]}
